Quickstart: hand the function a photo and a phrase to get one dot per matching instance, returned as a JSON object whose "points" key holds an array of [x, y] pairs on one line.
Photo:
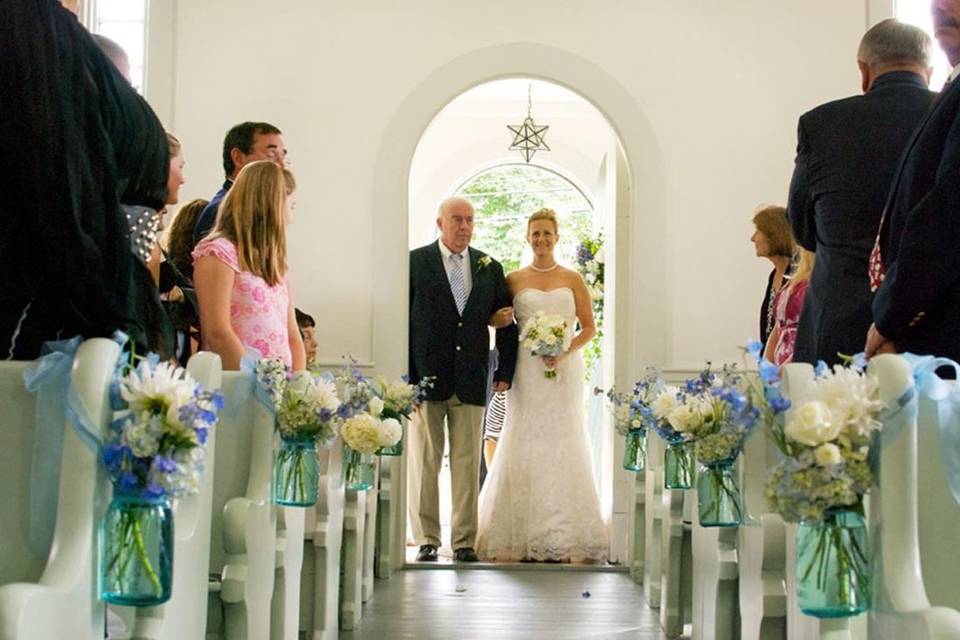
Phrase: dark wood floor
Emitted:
{"points": [[524, 602]]}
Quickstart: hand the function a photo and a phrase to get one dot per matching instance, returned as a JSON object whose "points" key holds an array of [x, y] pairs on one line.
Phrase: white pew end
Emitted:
{"points": [[57, 596]]}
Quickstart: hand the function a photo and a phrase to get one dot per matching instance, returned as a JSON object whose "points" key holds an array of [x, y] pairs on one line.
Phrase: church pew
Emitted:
{"points": [[391, 515], [320, 578], [351, 563], [676, 558], [715, 580], [653, 520], [253, 556], [370, 540], [53, 594], [901, 606], [761, 540]]}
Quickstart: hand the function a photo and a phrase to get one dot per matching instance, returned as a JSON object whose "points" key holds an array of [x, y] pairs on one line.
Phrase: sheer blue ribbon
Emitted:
{"points": [[946, 396], [248, 385], [49, 377]]}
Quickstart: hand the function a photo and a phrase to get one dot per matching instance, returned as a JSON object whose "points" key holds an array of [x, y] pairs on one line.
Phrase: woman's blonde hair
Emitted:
{"points": [[173, 145], [252, 217], [544, 214], [771, 220], [803, 268]]}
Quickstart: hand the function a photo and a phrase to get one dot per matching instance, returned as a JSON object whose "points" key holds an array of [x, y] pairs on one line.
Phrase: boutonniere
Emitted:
{"points": [[483, 263]]}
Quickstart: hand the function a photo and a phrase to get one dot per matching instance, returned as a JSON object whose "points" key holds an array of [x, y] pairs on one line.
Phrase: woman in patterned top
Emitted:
{"points": [[240, 271]]}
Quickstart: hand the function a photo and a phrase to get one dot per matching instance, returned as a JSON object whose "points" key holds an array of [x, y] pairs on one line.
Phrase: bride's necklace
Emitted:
{"points": [[541, 270]]}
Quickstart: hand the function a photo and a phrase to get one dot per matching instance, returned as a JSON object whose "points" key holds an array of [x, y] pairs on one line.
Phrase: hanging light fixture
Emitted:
{"points": [[528, 136]]}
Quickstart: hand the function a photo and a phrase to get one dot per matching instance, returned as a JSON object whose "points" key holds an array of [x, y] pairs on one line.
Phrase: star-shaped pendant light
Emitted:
{"points": [[528, 136]]}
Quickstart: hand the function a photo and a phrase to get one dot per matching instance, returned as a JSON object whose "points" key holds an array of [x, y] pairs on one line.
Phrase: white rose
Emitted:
{"points": [[591, 278], [599, 256], [812, 424], [390, 432], [828, 455], [376, 406], [550, 339]]}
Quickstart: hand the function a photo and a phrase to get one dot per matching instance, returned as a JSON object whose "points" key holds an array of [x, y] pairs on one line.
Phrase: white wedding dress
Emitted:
{"points": [[539, 501]]}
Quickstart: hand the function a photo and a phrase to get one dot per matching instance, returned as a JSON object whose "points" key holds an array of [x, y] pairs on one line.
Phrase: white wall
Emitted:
{"points": [[471, 132], [714, 88]]}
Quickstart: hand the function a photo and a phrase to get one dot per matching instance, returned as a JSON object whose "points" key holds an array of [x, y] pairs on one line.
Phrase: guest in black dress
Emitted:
{"points": [[80, 142], [773, 240]]}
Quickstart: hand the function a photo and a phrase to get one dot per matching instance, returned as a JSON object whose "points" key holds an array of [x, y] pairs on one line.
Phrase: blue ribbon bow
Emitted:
{"points": [[49, 377], [946, 396], [248, 385]]}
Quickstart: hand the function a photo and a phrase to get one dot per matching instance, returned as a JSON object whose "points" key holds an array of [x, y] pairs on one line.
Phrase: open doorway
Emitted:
{"points": [[464, 152]]}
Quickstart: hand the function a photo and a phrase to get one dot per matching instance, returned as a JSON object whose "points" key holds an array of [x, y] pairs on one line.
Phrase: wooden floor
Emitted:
{"points": [[493, 604]]}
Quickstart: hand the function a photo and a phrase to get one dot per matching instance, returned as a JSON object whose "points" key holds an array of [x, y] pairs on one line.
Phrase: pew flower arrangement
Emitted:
{"points": [[154, 451], [631, 415], [826, 444], [306, 417], [364, 435], [546, 335], [398, 400]]}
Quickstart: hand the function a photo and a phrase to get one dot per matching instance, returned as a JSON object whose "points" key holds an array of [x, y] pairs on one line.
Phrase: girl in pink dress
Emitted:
{"points": [[240, 271], [787, 307]]}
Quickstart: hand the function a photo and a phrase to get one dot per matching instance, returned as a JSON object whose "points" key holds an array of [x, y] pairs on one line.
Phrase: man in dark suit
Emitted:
{"points": [[847, 151], [455, 293], [243, 144], [916, 263]]}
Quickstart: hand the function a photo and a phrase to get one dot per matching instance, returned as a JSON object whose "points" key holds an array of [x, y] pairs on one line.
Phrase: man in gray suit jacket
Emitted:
{"points": [[847, 152]]}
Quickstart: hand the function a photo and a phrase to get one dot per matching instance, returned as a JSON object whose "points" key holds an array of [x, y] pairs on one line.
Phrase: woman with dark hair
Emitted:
{"points": [[772, 239], [84, 159]]}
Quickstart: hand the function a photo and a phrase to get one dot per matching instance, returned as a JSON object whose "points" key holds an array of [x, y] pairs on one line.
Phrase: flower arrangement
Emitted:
{"points": [[364, 435], [154, 450], [395, 401], [546, 335], [590, 264], [155, 445], [826, 443], [307, 408]]}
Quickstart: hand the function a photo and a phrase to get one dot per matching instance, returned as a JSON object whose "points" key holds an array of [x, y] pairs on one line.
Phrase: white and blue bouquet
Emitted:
{"points": [[155, 444], [395, 402], [546, 335]]}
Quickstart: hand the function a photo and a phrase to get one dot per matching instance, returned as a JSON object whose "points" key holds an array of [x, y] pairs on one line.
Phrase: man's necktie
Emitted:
{"points": [[457, 285], [875, 264]]}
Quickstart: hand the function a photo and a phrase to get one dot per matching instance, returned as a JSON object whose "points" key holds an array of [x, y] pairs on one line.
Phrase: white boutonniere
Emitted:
{"points": [[483, 262]]}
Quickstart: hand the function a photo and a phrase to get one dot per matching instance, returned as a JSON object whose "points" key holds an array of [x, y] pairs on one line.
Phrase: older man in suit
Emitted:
{"points": [[455, 292], [847, 152], [916, 262]]}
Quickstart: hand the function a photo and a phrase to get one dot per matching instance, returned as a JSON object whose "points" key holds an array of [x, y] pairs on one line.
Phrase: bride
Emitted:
{"points": [[539, 502]]}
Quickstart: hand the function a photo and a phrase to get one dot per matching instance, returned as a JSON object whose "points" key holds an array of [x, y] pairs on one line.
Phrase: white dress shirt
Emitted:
{"points": [[953, 74], [448, 266]]}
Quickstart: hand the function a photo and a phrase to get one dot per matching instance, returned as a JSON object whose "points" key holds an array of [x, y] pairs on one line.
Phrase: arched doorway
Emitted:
{"points": [[639, 247]]}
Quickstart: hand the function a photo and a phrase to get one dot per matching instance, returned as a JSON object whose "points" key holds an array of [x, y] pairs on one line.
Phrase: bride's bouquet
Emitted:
{"points": [[546, 335]]}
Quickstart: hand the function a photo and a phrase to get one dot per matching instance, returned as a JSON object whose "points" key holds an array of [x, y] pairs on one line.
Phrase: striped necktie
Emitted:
{"points": [[457, 284]]}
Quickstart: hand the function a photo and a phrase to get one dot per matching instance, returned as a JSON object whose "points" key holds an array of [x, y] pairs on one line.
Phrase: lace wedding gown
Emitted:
{"points": [[539, 501]]}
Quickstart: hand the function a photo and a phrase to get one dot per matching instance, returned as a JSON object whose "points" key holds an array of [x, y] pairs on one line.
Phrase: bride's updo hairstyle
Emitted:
{"points": [[544, 214]]}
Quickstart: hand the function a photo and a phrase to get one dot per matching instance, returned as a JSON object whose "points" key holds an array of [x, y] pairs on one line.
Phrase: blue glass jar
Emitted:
{"points": [[295, 471], [136, 550], [833, 570], [635, 450], [678, 469], [718, 495], [359, 470]]}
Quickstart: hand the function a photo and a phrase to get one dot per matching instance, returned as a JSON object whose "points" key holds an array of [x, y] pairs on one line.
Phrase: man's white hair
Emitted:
{"points": [[449, 201]]}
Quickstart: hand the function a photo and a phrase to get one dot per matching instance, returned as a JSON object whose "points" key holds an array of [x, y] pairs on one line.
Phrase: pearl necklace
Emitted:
{"points": [[538, 269]]}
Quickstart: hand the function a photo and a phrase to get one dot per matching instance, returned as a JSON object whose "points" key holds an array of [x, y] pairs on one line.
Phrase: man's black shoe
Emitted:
{"points": [[465, 555], [427, 553]]}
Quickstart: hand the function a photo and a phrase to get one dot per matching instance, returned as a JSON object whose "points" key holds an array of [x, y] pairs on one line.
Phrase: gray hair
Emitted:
{"points": [[449, 201], [891, 42]]}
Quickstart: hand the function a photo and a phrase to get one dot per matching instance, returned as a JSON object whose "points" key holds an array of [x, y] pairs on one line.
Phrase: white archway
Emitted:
{"points": [[642, 303]]}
